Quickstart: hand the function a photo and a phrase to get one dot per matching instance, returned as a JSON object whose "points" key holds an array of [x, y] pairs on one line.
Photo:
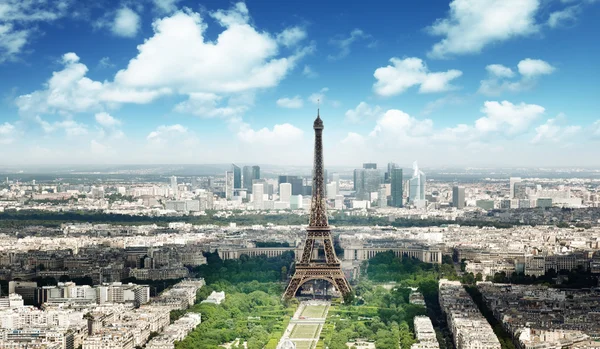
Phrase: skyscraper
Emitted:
{"points": [[387, 178], [366, 181], [174, 186], [257, 195], [237, 176], [512, 182], [250, 173], [370, 166], [397, 184], [295, 181], [417, 185], [458, 197], [229, 185]]}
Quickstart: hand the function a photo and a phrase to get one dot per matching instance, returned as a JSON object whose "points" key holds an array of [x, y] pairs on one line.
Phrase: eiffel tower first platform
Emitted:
{"points": [[318, 232]]}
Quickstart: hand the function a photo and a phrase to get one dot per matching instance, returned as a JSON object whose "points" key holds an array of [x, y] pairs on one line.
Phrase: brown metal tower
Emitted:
{"points": [[318, 231]]}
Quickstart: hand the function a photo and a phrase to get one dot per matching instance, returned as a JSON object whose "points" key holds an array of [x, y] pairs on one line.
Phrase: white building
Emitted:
{"points": [[285, 192], [258, 191]]}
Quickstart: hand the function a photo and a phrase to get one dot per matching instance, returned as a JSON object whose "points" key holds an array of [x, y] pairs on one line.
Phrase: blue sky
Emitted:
{"points": [[462, 82]]}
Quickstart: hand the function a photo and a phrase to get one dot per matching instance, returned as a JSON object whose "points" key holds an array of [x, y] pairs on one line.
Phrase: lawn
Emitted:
{"points": [[303, 344], [314, 311], [304, 331]]}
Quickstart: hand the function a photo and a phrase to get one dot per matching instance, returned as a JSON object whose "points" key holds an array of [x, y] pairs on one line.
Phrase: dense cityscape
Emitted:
{"points": [[200, 174]]}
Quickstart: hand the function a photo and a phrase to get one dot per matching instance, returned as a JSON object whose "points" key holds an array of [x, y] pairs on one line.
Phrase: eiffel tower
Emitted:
{"points": [[318, 230]]}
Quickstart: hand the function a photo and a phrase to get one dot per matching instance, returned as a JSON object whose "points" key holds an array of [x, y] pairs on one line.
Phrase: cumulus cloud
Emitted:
{"points": [[554, 131], [164, 133], [209, 105], [69, 126], [363, 111], [280, 134], [241, 58], [508, 118], [165, 6], [126, 23], [106, 120], [404, 73], [531, 68], [17, 23], [292, 103], [7, 133], [71, 91], [473, 24], [500, 78], [291, 36], [344, 44]]}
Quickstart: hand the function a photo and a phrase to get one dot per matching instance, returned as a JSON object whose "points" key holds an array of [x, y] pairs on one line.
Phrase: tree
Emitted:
{"points": [[283, 272]]}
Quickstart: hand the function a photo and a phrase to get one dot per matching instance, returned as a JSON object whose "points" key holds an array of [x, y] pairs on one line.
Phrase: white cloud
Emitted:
{"points": [[318, 97], [105, 63], [396, 124], [291, 36], [17, 23], [239, 59], [280, 134], [564, 17], [209, 105], [309, 72], [530, 68], [552, 131], [508, 118], [69, 126], [293, 103], [362, 112], [473, 24], [343, 44], [499, 79], [405, 73], [164, 133], [71, 91], [500, 71], [106, 120], [7, 133], [126, 23], [165, 6]]}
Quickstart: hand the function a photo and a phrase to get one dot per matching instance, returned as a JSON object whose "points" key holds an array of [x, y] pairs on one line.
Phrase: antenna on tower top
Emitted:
{"points": [[318, 106]]}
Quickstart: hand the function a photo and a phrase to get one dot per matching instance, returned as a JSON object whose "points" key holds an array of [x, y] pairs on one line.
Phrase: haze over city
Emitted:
{"points": [[180, 174]]}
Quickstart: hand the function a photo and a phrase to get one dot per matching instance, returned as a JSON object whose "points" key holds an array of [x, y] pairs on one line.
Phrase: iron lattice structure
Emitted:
{"points": [[307, 268]]}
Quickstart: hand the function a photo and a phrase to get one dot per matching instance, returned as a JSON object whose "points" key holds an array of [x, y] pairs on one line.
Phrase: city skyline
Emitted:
{"points": [[172, 82]]}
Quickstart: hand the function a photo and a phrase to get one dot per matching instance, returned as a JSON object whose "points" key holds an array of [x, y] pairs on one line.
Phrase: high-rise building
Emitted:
{"points": [[335, 177], [417, 185], [174, 186], [229, 185], [258, 190], [237, 176], [387, 178], [366, 181], [250, 173], [458, 197], [295, 181], [382, 197], [285, 192], [397, 187], [370, 166], [512, 182], [331, 191]]}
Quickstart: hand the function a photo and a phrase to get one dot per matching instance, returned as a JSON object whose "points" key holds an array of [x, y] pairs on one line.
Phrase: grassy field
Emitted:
{"points": [[304, 331], [304, 344], [314, 311]]}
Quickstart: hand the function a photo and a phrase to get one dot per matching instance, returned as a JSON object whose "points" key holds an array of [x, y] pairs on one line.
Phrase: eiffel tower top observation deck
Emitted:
{"points": [[318, 210]]}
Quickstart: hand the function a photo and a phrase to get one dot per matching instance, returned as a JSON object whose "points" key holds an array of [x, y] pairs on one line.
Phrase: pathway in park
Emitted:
{"points": [[305, 327]]}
